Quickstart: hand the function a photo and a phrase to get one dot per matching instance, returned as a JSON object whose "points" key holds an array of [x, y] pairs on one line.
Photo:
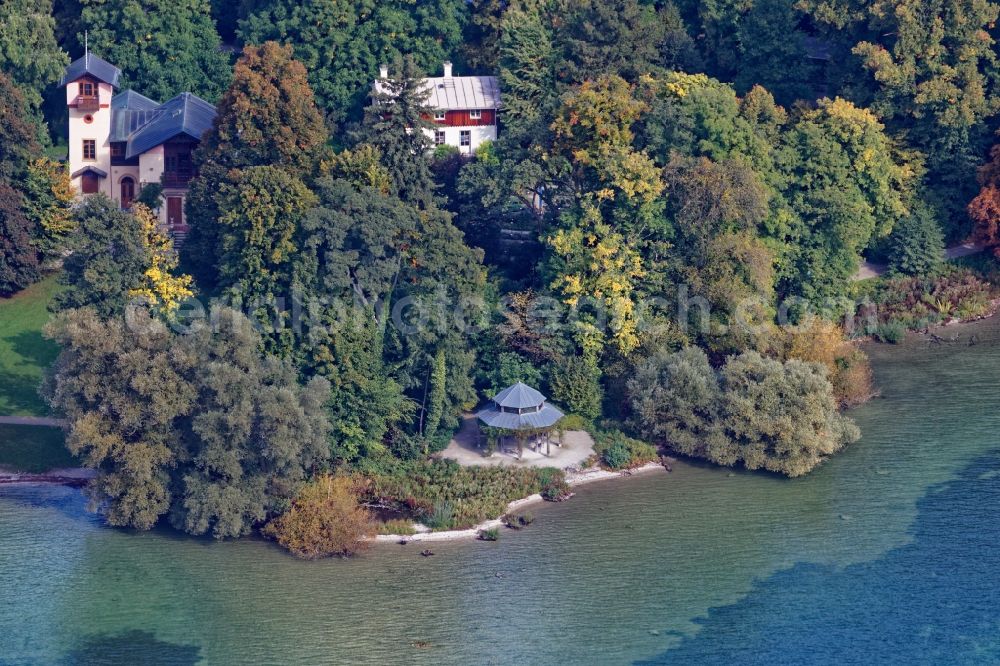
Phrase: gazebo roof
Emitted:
{"points": [[519, 396], [519, 407], [546, 417]]}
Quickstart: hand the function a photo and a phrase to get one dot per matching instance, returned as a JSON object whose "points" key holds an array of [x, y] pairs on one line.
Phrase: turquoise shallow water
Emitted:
{"points": [[886, 554]]}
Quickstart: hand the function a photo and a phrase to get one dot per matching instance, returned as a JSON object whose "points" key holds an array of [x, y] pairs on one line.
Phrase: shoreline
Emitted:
{"points": [[573, 479], [75, 477]]}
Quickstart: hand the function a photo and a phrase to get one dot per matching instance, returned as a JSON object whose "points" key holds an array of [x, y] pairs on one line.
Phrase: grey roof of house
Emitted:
{"points": [[463, 92], [457, 93], [144, 124], [130, 99], [519, 396], [546, 417], [100, 69], [129, 112]]}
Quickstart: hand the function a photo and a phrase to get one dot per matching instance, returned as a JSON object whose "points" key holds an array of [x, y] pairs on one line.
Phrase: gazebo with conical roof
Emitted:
{"points": [[520, 409]]}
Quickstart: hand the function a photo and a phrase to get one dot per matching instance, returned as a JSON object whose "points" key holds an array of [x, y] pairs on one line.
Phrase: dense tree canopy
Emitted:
{"points": [[343, 44], [163, 47], [930, 70], [108, 259], [266, 118], [758, 412], [18, 258], [198, 426], [847, 188], [29, 53], [668, 179]]}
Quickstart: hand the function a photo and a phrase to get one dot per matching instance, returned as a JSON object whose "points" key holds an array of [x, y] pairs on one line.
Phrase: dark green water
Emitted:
{"points": [[887, 554]]}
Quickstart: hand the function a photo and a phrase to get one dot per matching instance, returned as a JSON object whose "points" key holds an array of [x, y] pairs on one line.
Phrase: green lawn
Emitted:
{"points": [[24, 353], [33, 449]]}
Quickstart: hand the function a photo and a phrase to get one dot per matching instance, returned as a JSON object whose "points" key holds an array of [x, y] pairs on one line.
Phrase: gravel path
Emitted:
{"points": [[464, 449], [869, 270]]}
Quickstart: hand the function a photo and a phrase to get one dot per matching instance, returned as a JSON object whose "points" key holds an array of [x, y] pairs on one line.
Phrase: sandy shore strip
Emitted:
{"points": [[70, 476], [574, 479]]}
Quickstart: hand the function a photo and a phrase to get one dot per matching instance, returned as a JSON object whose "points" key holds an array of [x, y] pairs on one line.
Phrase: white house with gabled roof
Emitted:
{"points": [[464, 108]]}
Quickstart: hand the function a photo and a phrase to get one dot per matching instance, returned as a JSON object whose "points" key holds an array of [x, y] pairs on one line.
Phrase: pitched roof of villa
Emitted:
{"points": [[144, 123], [91, 65]]}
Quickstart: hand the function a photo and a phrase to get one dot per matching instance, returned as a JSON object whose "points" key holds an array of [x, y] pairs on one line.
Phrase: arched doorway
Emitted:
{"points": [[128, 192]]}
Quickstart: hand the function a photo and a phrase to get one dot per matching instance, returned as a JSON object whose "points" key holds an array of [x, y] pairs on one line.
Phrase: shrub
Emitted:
{"points": [[618, 451], [916, 245], [777, 416], [492, 534], [517, 521], [574, 422], [400, 526], [423, 489], [848, 368], [553, 484], [575, 384], [325, 520], [616, 456], [758, 412], [917, 302], [442, 517], [893, 332], [675, 398]]}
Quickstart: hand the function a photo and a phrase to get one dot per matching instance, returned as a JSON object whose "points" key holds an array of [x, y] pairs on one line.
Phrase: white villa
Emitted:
{"points": [[464, 108], [118, 143]]}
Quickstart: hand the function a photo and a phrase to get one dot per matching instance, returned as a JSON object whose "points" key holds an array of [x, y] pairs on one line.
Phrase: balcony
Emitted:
{"points": [[88, 103], [178, 178]]}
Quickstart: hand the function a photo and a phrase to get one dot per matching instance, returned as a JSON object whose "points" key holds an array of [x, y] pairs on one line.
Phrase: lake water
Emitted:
{"points": [[888, 553]]}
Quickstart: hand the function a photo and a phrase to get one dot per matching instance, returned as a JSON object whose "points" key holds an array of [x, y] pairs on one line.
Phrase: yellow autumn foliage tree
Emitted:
{"points": [[160, 286], [594, 260], [594, 128], [848, 368]]}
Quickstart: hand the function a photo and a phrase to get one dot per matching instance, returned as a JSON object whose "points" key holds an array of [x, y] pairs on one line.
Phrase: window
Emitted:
{"points": [[465, 138], [88, 183], [440, 116], [89, 149], [439, 138], [86, 89], [118, 149], [476, 114]]}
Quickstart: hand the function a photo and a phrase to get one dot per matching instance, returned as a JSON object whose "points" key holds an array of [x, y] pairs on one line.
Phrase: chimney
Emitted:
{"points": [[447, 69], [383, 71]]}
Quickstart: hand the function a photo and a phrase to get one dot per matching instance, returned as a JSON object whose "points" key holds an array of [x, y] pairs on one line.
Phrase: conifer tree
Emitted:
{"points": [[394, 124]]}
